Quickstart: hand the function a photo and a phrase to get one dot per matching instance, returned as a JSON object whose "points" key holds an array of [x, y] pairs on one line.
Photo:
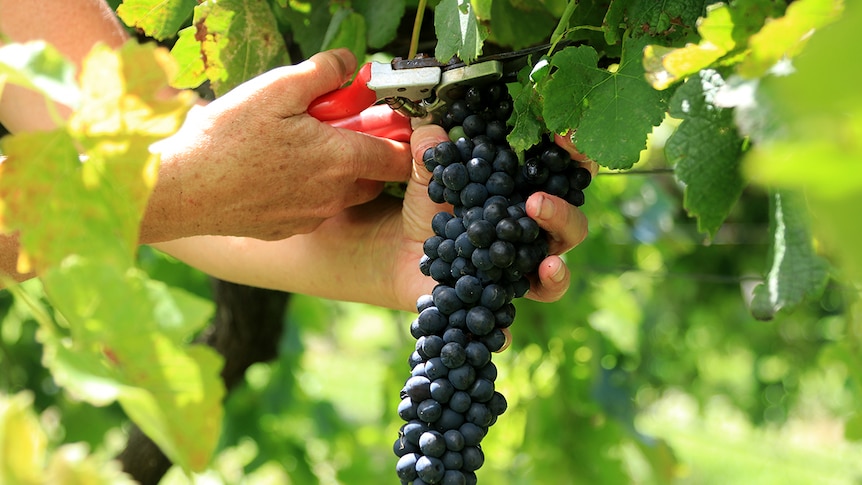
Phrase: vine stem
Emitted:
{"points": [[562, 27], [417, 26]]}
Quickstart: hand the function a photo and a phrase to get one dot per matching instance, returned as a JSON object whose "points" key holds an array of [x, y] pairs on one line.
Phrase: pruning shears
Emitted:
{"points": [[388, 99]]}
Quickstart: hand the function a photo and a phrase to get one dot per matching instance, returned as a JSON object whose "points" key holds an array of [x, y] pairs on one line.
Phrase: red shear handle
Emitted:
{"points": [[380, 121], [346, 101]]}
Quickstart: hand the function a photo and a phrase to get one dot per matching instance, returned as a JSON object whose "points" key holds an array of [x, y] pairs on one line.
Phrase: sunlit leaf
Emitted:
{"points": [[458, 31], [787, 35], [618, 102], [159, 19], [382, 18], [239, 40]]}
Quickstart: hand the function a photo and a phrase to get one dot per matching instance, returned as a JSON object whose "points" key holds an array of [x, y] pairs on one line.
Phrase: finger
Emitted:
{"points": [[321, 73], [552, 281], [565, 141], [425, 137], [378, 158], [508, 341], [565, 223]]}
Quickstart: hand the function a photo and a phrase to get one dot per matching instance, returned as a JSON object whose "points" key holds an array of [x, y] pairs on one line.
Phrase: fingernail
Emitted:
{"points": [[546, 209], [508, 341], [558, 275]]}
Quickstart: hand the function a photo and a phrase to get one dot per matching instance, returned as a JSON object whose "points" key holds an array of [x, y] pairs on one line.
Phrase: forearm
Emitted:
{"points": [[338, 261], [72, 26]]}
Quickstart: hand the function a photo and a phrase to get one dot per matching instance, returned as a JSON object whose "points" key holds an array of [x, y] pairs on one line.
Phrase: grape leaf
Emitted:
{"points": [[614, 19], [706, 151], [346, 29], [669, 18], [458, 31], [239, 40], [667, 65], [159, 19], [187, 54], [616, 108], [525, 120], [787, 35], [382, 18], [308, 25], [565, 92], [531, 28], [797, 272]]}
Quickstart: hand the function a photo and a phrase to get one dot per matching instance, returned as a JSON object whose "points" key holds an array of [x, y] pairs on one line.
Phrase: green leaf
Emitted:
{"points": [[532, 26], [42, 68], [614, 19], [382, 18], [171, 390], [525, 120], [785, 37], [347, 29], [239, 40], [159, 19], [706, 151], [565, 92], [458, 31], [308, 24], [797, 272], [596, 102], [669, 18]]}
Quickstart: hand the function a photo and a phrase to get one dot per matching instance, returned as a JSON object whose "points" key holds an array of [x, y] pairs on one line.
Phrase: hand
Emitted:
{"points": [[370, 253], [253, 163]]}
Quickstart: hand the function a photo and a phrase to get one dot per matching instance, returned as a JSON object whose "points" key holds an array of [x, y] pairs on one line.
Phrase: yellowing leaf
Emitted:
{"points": [[23, 443], [665, 65], [785, 37]]}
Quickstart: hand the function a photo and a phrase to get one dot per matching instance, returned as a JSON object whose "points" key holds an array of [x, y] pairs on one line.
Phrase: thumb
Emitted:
{"points": [[321, 73]]}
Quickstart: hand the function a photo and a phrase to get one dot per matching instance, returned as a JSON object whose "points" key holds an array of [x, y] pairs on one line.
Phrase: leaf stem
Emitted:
{"points": [[562, 27], [417, 27]]}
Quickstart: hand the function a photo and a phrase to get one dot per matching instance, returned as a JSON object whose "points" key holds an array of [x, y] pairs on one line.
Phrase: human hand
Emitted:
{"points": [[254, 163], [565, 224], [370, 253]]}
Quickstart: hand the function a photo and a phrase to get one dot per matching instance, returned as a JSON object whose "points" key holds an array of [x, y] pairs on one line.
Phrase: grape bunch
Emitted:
{"points": [[480, 255]]}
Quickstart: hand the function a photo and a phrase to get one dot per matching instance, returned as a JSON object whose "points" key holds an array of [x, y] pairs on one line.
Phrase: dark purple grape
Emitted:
{"points": [[481, 259], [431, 470], [428, 159], [406, 467], [468, 288], [465, 147], [481, 233], [580, 177], [474, 194], [446, 153], [436, 192], [535, 172], [455, 176], [478, 170], [432, 443], [500, 183], [485, 151], [473, 126], [555, 158], [473, 459], [480, 321], [438, 222], [441, 390], [508, 229], [478, 354], [446, 250], [505, 161], [502, 253], [453, 355]]}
